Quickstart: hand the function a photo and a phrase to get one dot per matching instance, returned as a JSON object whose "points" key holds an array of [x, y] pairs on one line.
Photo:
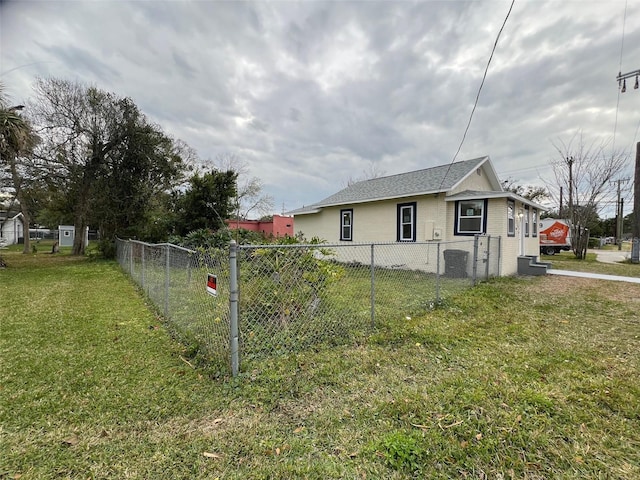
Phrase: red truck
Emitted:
{"points": [[554, 235]]}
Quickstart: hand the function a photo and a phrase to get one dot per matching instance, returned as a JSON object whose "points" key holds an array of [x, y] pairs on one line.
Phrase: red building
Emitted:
{"points": [[280, 226]]}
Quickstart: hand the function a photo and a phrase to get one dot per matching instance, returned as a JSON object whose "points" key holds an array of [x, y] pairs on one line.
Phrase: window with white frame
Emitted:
{"points": [[526, 220], [407, 222], [511, 218], [534, 222], [346, 225], [470, 217]]}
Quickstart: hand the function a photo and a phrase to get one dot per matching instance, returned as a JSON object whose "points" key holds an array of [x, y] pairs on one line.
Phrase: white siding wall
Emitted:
{"points": [[12, 230], [377, 221], [473, 182]]}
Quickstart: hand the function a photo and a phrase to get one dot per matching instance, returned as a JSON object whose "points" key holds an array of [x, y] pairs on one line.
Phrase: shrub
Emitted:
{"points": [[287, 284]]}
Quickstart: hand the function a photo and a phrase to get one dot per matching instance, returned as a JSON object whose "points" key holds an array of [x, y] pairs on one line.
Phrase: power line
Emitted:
{"points": [[495, 44], [615, 124]]}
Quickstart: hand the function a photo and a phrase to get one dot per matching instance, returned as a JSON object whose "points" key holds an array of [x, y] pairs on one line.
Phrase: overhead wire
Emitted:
{"points": [[615, 124], [475, 104]]}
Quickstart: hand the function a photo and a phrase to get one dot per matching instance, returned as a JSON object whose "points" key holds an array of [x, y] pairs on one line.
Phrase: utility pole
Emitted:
{"points": [[560, 211], [619, 214], [576, 237], [636, 196], [635, 246], [570, 163], [622, 80]]}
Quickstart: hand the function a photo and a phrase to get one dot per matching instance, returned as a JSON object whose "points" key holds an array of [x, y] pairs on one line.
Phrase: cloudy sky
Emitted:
{"points": [[310, 94]]}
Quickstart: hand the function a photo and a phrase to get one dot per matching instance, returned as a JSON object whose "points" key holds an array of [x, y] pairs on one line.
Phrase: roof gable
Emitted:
{"points": [[442, 178]]}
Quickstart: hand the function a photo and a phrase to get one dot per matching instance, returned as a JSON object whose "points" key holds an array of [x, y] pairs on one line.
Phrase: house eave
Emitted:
{"points": [[482, 195]]}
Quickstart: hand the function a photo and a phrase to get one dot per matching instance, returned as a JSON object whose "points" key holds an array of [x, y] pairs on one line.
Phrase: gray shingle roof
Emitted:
{"points": [[429, 180]]}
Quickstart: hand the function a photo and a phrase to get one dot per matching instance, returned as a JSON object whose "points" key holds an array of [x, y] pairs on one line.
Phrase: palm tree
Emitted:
{"points": [[17, 140]]}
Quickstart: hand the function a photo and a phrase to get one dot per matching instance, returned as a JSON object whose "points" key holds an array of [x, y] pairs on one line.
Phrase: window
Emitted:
{"points": [[67, 233], [346, 225], [534, 222], [511, 218], [407, 222], [470, 217], [526, 220]]}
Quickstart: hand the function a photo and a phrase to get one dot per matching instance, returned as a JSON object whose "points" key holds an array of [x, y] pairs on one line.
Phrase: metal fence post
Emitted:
{"points": [[475, 260], [373, 289], [166, 282], [233, 308], [499, 254], [130, 258], [486, 270], [142, 278], [438, 273]]}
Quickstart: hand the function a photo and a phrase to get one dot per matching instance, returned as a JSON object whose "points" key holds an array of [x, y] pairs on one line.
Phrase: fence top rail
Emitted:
{"points": [[364, 244], [159, 245]]}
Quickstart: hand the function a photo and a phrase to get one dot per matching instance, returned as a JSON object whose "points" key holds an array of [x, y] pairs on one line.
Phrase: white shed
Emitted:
{"points": [[12, 229], [67, 233]]}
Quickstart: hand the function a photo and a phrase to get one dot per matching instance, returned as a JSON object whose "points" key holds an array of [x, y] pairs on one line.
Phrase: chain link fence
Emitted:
{"points": [[174, 279], [275, 298]]}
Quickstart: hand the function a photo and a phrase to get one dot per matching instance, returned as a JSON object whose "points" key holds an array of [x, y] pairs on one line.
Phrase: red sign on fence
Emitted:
{"points": [[212, 284]]}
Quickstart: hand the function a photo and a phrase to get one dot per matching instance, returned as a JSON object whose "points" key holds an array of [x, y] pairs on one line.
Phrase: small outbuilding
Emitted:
{"points": [[12, 230], [67, 233]]}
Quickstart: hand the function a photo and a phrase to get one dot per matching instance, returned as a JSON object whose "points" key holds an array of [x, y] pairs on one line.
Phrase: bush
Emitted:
{"points": [[287, 284], [107, 248]]}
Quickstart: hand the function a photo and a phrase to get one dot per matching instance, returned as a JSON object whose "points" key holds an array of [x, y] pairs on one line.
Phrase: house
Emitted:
{"points": [[440, 204], [12, 229], [278, 226]]}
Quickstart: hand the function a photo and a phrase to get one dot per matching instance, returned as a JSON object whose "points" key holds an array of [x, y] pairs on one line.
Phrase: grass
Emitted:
{"points": [[568, 261], [516, 378]]}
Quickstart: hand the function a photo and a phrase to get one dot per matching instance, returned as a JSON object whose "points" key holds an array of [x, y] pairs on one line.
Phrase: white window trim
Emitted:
{"points": [[511, 218], [343, 237], [482, 217], [400, 224]]}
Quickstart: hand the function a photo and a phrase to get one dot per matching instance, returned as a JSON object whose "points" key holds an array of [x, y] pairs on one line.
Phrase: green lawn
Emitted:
{"points": [[517, 378], [568, 261]]}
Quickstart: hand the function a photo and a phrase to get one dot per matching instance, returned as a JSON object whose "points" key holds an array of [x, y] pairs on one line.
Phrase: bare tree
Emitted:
{"points": [[372, 171], [584, 173], [250, 195]]}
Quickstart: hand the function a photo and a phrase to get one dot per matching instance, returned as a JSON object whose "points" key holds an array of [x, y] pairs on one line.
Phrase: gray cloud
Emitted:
{"points": [[309, 93]]}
